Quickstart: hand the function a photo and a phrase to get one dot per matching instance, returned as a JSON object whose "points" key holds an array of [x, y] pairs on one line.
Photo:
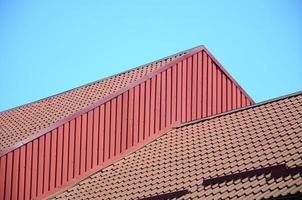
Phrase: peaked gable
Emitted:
{"points": [[191, 86]]}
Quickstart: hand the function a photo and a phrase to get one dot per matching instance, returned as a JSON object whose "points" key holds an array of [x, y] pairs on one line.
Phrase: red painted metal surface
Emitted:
{"points": [[191, 87]]}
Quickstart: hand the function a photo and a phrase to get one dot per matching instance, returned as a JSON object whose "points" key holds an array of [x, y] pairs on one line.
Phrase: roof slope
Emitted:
{"points": [[260, 136], [19, 123], [184, 87]]}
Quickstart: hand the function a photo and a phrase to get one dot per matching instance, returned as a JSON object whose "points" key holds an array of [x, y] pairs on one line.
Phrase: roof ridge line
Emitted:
{"points": [[94, 171], [102, 79], [100, 101], [240, 109]]}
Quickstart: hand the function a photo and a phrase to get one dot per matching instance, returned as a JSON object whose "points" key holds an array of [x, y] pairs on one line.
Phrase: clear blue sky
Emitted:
{"points": [[47, 47]]}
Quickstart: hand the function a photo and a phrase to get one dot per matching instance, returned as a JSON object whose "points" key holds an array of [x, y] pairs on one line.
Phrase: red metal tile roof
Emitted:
{"points": [[20, 123], [247, 139], [190, 87]]}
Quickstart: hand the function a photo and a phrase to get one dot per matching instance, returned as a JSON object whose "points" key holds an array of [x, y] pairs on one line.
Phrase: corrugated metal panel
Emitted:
{"points": [[193, 87]]}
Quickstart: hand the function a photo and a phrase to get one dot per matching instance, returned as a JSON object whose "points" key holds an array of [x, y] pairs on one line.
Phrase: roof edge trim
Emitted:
{"points": [[239, 109]]}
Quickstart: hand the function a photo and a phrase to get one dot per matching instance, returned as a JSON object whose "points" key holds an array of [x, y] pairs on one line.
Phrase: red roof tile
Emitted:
{"points": [[66, 137], [259, 136]]}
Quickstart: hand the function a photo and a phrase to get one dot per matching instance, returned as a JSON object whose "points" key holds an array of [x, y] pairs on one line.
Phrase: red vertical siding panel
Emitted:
{"points": [[77, 149], [238, 97], [219, 91], [189, 89], [59, 156], [71, 149], [119, 122], [15, 174], [65, 153], [53, 160], [179, 93], [229, 94], [95, 136], [243, 103], [2, 175], [130, 118], [35, 164], [107, 130], [101, 134], [89, 140], [47, 162], [147, 108], [125, 121], [152, 106], [142, 112], [224, 93], [158, 103], [136, 114], [194, 87], [214, 92], [163, 100], [209, 89], [34, 174], [234, 96], [184, 91], [248, 102], [169, 97], [112, 128], [83, 143], [28, 166], [22, 174], [41, 160], [199, 84], [204, 83], [174, 94], [8, 181]]}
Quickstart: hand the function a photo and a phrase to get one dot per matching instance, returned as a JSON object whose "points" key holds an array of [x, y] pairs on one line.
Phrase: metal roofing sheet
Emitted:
{"points": [[99, 133]]}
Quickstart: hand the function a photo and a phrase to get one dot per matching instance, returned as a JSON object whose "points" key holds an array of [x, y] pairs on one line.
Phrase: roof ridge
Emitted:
{"points": [[102, 79], [240, 109]]}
